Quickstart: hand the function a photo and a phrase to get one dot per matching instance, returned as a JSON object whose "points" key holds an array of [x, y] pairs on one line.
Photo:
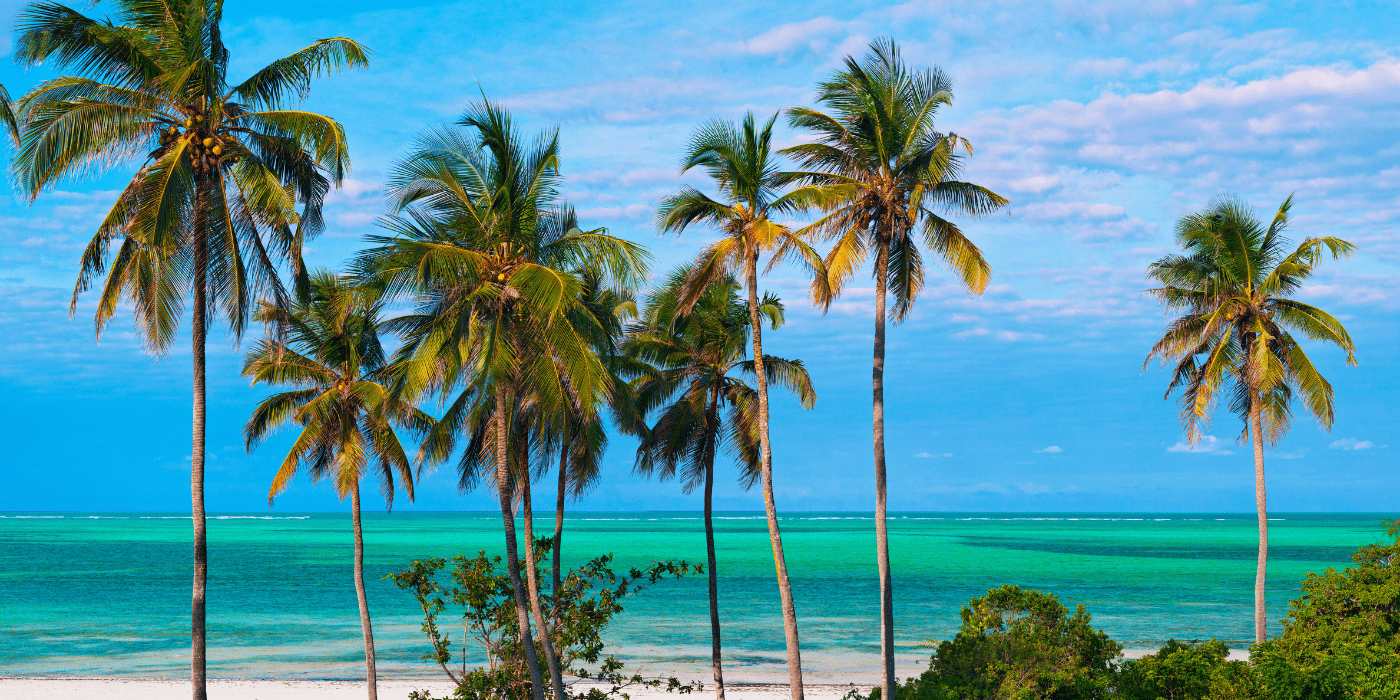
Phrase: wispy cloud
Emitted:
{"points": [[1053, 450], [1351, 444], [1207, 444]]}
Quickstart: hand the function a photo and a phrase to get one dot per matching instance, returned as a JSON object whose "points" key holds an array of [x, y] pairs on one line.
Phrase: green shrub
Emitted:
{"points": [[1018, 644], [1181, 671], [1177, 672], [1341, 638], [479, 589]]}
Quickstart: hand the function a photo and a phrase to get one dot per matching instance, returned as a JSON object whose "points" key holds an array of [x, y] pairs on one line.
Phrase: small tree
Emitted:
{"points": [[588, 599], [1188, 671], [1022, 645]]}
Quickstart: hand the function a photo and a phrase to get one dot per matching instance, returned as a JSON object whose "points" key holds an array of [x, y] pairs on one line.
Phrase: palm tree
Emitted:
{"points": [[328, 348], [497, 300], [229, 180], [696, 356], [1232, 284], [740, 161], [880, 169]]}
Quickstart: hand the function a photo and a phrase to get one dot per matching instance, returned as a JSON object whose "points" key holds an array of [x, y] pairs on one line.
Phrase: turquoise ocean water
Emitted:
{"points": [[108, 594]]}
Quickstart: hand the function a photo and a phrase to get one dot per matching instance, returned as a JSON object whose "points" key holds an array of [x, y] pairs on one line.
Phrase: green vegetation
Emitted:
{"points": [[1184, 671], [1341, 638], [1341, 641], [587, 600], [1017, 643], [522, 327], [1233, 284]]}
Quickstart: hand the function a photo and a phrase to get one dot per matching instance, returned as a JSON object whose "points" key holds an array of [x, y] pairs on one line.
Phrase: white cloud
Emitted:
{"points": [[818, 35], [1352, 444], [1053, 450], [1033, 488], [1207, 444], [923, 455]]}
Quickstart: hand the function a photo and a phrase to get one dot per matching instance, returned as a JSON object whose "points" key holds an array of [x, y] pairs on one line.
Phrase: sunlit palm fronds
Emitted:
{"points": [[696, 359], [328, 348], [1232, 285], [880, 170], [228, 185]]}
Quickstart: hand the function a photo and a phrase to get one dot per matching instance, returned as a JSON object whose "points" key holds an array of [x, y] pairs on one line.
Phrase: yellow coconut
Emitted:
{"points": [[501, 277], [218, 150], [208, 142]]}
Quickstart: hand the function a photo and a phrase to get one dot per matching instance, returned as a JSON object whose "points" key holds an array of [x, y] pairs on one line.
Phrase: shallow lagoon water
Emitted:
{"points": [[86, 594]]}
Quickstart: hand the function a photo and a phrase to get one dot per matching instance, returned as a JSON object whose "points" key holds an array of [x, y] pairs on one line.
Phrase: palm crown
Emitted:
{"points": [[740, 162], [1232, 285], [494, 265], [879, 168], [229, 181], [328, 348], [696, 355]]}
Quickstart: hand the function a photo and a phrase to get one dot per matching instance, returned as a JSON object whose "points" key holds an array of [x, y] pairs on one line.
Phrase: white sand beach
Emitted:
{"points": [[770, 688], [133, 689]]}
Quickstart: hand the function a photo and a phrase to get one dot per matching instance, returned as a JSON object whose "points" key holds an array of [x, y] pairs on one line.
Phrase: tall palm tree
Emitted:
{"points": [[696, 356], [880, 169], [495, 325], [741, 163], [328, 348], [1232, 284], [229, 179]]}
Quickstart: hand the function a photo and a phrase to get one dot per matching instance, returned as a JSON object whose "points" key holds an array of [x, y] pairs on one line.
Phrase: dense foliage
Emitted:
{"points": [[1188, 671], [1018, 644], [1341, 641], [1341, 638], [480, 588]]}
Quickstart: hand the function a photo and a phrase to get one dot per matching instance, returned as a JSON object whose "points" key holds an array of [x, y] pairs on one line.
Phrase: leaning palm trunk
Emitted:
{"points": [[522, 616], [371, 678], [794, 651], [556, 677], [882, 541], [716, 660], [1261, 619], [201, 551]]}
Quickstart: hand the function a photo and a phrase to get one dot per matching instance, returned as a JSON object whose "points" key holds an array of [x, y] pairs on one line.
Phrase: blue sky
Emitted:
{"points": [[1102, 121]]}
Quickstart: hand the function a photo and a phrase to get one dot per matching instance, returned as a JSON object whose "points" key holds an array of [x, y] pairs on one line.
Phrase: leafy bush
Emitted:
{"points": [[1188, 672], [1018, 644], [1341, 638], [480, 587]]}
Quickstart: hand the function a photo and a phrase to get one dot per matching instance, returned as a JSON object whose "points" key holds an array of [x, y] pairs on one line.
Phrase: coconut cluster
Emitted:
{"points": [[206, 147]]}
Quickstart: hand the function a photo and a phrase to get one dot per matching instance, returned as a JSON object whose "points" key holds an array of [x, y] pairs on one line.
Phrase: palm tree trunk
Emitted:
{"points": [[198, 333], [716, 659], [794, 651], [1261, 619], [371, 678], [882, 542], [522, 616], [532, 576], [559, 511]]}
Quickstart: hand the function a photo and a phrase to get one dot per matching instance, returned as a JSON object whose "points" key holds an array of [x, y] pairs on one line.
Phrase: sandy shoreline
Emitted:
{"points": [[141, 689], [40, 688]]}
